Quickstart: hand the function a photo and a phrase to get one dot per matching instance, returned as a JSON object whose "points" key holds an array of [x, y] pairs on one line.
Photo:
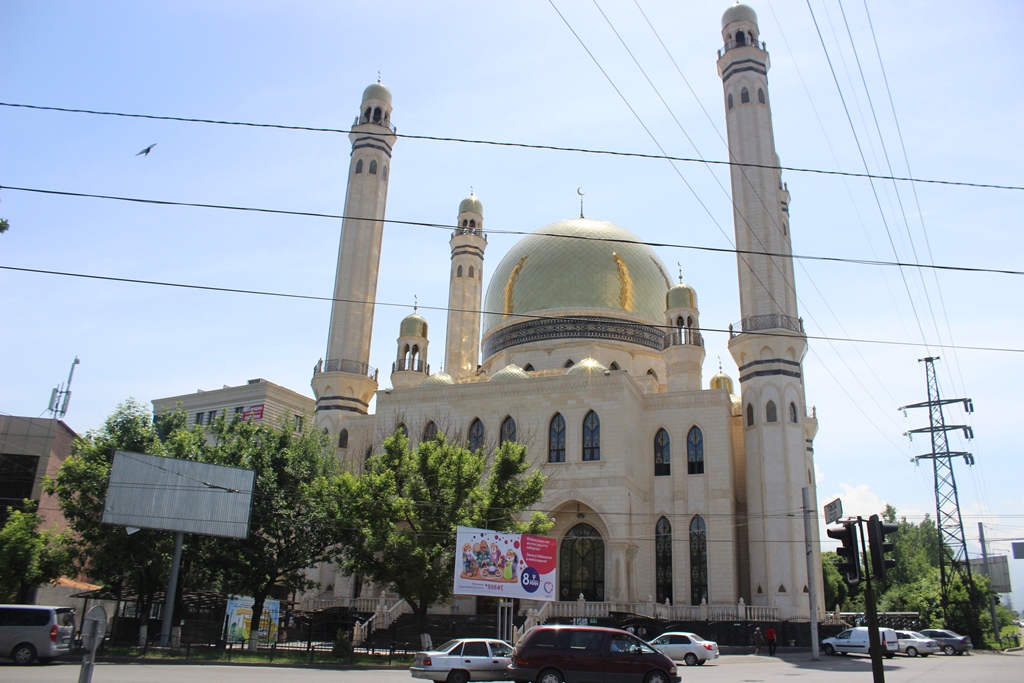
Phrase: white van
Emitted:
{"points": [[31, 632], [856, 640]]}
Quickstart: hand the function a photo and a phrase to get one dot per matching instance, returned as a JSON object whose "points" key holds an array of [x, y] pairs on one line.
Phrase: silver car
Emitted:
{"points": [[912, 644], [683, 646], [464, 659], [31, 632]]}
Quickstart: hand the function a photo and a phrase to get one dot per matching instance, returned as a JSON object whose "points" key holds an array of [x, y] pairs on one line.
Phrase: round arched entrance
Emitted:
{"points": [[581, 565]]}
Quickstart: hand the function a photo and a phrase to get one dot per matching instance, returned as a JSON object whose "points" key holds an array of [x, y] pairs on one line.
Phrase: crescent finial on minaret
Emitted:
{"points": [[581, 200]]}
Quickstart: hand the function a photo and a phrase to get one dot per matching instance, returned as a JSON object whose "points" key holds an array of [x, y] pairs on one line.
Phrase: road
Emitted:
{"points": [[979, 667]]}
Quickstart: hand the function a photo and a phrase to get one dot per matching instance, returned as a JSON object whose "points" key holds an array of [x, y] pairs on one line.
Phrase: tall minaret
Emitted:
{"points": [[468, 242], [345, 382], [770, 344]]}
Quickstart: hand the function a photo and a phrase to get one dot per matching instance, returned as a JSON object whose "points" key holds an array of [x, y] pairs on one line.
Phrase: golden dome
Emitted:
{"points": [[681, 296], [377, 91], [471, 204], [413, 325], [587, 366], [721, 381], [437, 379], [509, 372], [578, 264]]}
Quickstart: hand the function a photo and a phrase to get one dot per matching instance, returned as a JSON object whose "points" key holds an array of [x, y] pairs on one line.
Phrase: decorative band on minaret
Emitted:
{"points": [[465, 291], [344, 381]]}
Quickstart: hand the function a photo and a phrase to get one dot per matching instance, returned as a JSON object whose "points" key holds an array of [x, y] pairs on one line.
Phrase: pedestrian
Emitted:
{"points": [[770, 635], [758, 640]]}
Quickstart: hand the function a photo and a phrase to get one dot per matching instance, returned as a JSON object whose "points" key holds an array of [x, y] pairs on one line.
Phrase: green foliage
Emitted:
{"points": [[342, 648], [28, 556], [836, 589], [4, 225], [399, 518]]}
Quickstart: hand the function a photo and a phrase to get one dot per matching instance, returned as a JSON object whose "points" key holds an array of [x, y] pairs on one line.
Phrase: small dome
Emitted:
{"points": [[509, 372], [739, 12], [587, 366], [471, 204], [377, 91], [413, 326], [681, 296], [721, 381], [437, 379]]}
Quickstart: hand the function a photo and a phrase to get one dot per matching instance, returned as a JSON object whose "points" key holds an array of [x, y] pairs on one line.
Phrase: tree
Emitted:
{"points": [[398, 520], [29, 557], [293, 511]]}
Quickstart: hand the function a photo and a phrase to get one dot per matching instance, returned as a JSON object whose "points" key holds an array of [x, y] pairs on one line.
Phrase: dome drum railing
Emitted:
{"points": [[364, 119], [353, 367], [405, 364], [683, 338], [772, 321]]}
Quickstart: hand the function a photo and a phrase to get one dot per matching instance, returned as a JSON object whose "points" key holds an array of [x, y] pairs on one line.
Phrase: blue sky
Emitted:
{"points": [[516, 72]]}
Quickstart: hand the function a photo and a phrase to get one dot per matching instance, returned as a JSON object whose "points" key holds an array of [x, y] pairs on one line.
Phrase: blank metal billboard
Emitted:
{"points": [[151, 492]]}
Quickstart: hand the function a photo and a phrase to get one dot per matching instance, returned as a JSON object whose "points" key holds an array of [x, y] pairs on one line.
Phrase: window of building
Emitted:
{"points": [[792, 413], [17, 478], [472, 222], [750, 414], [508, 430], [529, 367], [471, 272], [581, 564], [343, 438], [698, 561], [771, 413], [359, 166], [458, 272], [652, 373], [695, 452], [741, 38], [729, 100], [568, 363], [744, 98], [476, 435], [663, 560], [556, 439], [376, 117], [298, 423], [465, 223], [662, 454], [591, 436], [199, 418], [239, 409], [373, 167], [384, 172], [760, 95], [430, 431], [211, 416], [613, 366], [402, 428]]}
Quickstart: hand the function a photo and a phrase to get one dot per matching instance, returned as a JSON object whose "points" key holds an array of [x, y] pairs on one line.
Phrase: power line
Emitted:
{"points": [[522, 145]]}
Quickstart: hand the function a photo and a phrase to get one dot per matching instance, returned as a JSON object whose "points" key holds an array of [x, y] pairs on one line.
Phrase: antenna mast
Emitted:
{"points": [[61, 396]]}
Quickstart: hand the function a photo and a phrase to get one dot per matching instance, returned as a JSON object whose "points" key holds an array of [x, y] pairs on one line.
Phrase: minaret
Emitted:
{"points": [[684, 345], [411, 367], [465, 293], [345, 382], [769, 345]]}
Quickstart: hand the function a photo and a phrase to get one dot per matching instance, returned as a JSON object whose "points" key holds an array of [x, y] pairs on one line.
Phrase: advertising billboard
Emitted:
{"points": [[504, 565], [239, 619]]}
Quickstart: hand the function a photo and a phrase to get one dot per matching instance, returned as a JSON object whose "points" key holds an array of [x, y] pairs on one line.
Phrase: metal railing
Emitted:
{"points": [[683, 338], [362, 120], [410, 365], [381, 619], [353, 367], [772, 321]]}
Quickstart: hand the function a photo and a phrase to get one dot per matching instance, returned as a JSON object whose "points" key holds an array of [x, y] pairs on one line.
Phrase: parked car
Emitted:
{"points": [[464, 659], [31, 632], [912, 644], [856, 640], [951, 643], [683, 646], [580, 654]]}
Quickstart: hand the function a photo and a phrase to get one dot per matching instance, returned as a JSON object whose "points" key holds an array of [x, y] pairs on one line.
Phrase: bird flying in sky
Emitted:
{"points": [[146, 151]]}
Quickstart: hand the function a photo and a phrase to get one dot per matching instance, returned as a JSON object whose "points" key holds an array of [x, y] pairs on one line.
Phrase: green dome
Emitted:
{"points": [[509, 372], [377, 91], [413, 326], [439, 378], [587, 366], [739, 12], [571, 265], [681, 296], [471, 205]]}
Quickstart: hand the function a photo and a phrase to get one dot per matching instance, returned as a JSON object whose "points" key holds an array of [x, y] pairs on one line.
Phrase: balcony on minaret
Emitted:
{"points": [[352, 367], [377, 117], [742, 39], [683, 337], [772, 321], [410, 365]]}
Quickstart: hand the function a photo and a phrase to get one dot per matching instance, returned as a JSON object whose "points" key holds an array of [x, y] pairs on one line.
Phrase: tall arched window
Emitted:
{"points": [[695, 452], [458, 272], [662, 455], [556, 439], [430, 431], [582, 564], [508, 430], [760, 95], [744, 98], [792, 413], [591, 436], [359, 165], [343, 438], [472, 273], [729, 99], [472, 222], [663, 560], [376, 114], [771, 413], [750, 414], [373, 167], [384, 172], [698, 561], [476, 435]]}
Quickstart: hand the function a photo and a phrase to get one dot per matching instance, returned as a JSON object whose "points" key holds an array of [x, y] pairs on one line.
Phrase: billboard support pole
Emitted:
{"points": [[172, 587], [991, 595]]}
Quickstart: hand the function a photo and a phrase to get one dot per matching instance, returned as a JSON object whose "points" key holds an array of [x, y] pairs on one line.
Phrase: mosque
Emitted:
{"points": [[663, 489]]}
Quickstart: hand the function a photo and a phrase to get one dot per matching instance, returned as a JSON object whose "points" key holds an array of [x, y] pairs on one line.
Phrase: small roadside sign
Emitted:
{"points": [[834, 511]]}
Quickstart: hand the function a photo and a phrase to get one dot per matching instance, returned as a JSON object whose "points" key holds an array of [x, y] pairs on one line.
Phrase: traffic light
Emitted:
{"points": [[848, 552], [877, 531]]}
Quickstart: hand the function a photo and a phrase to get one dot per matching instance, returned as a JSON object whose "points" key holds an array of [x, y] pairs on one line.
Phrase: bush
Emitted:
{"points": [[342, 645]]}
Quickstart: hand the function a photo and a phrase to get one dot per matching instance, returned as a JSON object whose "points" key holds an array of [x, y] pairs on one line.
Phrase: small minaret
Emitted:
{"points": [[770, 344], [465, 293], [684, 345], [345, 382], [410, 367]]}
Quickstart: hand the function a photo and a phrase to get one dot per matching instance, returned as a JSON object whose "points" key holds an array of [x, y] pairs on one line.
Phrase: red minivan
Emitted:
{"points": [[587, 654]]}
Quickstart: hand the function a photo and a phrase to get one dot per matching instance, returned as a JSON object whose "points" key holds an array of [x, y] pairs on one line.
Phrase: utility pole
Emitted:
{"points": [[812, 591], [991, 595]]}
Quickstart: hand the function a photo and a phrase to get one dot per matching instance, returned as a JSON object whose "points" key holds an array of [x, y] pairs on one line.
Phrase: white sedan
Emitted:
{"points": [[689, 648], [912, 644], [464, 659]]}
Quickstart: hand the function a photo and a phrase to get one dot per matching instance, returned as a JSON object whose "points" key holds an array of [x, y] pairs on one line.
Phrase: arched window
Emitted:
{"points": [[792, 413], [663, 560], [508, 430], [472, 222], [741, 38], [744, 98], [359, 165], [695, 452], [343, 438], [471, 272], [760, 95], [771, 413], [568, 363], [582, 564], [476, 435], [384, 172], [458, 272], [662, 455], [698, 561], [402, 428], [613, 366], [556, 439], [430, 431], [729, 100], [750, 414], [376, 114], [373, 167], [465, 223], [591, 436], [529, 367], [785, 231], [652, 373]]}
